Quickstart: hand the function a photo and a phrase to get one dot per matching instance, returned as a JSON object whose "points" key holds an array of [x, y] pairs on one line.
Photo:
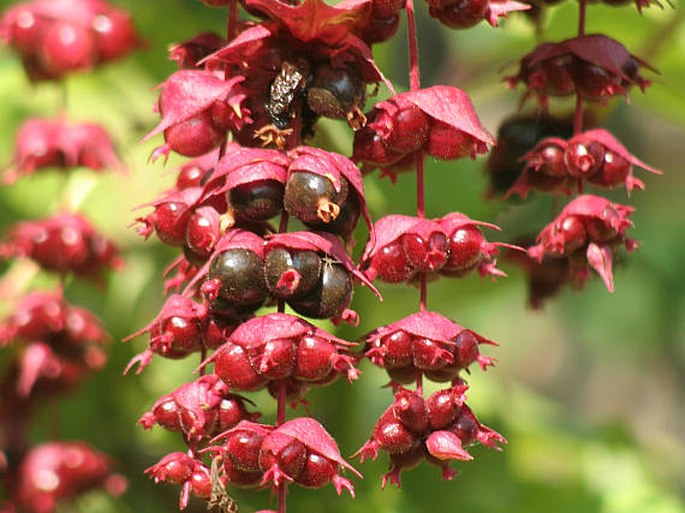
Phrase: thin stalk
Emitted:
{"points": [[232, 26], [414, 78], [280, 419], [578, 117], [581, 17], [415, 85], [282, 228], [203, 357]]}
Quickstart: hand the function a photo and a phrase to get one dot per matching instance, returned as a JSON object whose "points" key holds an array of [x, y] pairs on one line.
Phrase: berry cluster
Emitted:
{"points": [[58, 143], [266, 84], [435, 428], [58, 37], [54, 345], [244, 106], [408, 247], [64, 243], [540, 153], [556, 164]]}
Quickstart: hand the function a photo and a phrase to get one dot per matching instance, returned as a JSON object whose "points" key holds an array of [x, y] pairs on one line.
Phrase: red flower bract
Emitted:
{"points": [[56, 37], [44, 143], [59, 344], [406, 246], [63, 243], [61, 471], [594, 65], [425, 342], [197, 108], [436, 428], [595, 155], [439, 120], [280, 346], [200, 409], [585, 232]]}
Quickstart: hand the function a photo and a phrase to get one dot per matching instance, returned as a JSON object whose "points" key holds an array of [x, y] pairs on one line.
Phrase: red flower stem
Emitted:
{"points": [[280, 419], [232, 26], [578, 118], [414, 80], [282, 489], [203, 357], [415, 85], [582, 8]]}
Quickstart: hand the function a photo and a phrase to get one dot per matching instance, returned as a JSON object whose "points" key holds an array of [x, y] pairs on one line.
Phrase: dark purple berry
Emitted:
{"points": [[336, 93], [312, 198], [256, 201], [241, 273], [291, 273], [330, 298]]}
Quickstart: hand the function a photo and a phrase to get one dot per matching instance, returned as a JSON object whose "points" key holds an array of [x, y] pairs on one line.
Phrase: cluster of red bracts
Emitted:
{"points": [[65, 243], [299, 451], [53, 345], [537, 153], [585, 232], [407, 247], [440, 121], [425, 342], [595, 156], [54, 472], [46, 143], [57, 344], [595, 66], [436, 428], [57, 37], [267, 84]]}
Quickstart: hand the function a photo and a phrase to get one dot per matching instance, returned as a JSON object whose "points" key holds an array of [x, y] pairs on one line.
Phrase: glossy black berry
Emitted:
{"points": [[312, 198], [335, 92], [256, 201], [241, 273], [330, 298], [515, 137], [291, 273]]}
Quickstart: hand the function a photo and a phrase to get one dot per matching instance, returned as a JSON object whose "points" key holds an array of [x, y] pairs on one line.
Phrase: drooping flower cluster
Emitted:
{"points": [[57, 37], [586, 233], [266, 83], [53, 346], [47, 143]]}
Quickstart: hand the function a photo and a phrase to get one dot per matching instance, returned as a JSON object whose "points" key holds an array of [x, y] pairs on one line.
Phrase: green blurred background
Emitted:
{"points": [[589, 392]]}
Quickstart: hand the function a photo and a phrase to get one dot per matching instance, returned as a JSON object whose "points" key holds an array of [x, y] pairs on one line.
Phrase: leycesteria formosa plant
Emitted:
{"points": [[247, 287]]}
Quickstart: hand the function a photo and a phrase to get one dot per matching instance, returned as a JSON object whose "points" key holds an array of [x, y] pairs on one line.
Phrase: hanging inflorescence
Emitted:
{"points": [[53, 346]]}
